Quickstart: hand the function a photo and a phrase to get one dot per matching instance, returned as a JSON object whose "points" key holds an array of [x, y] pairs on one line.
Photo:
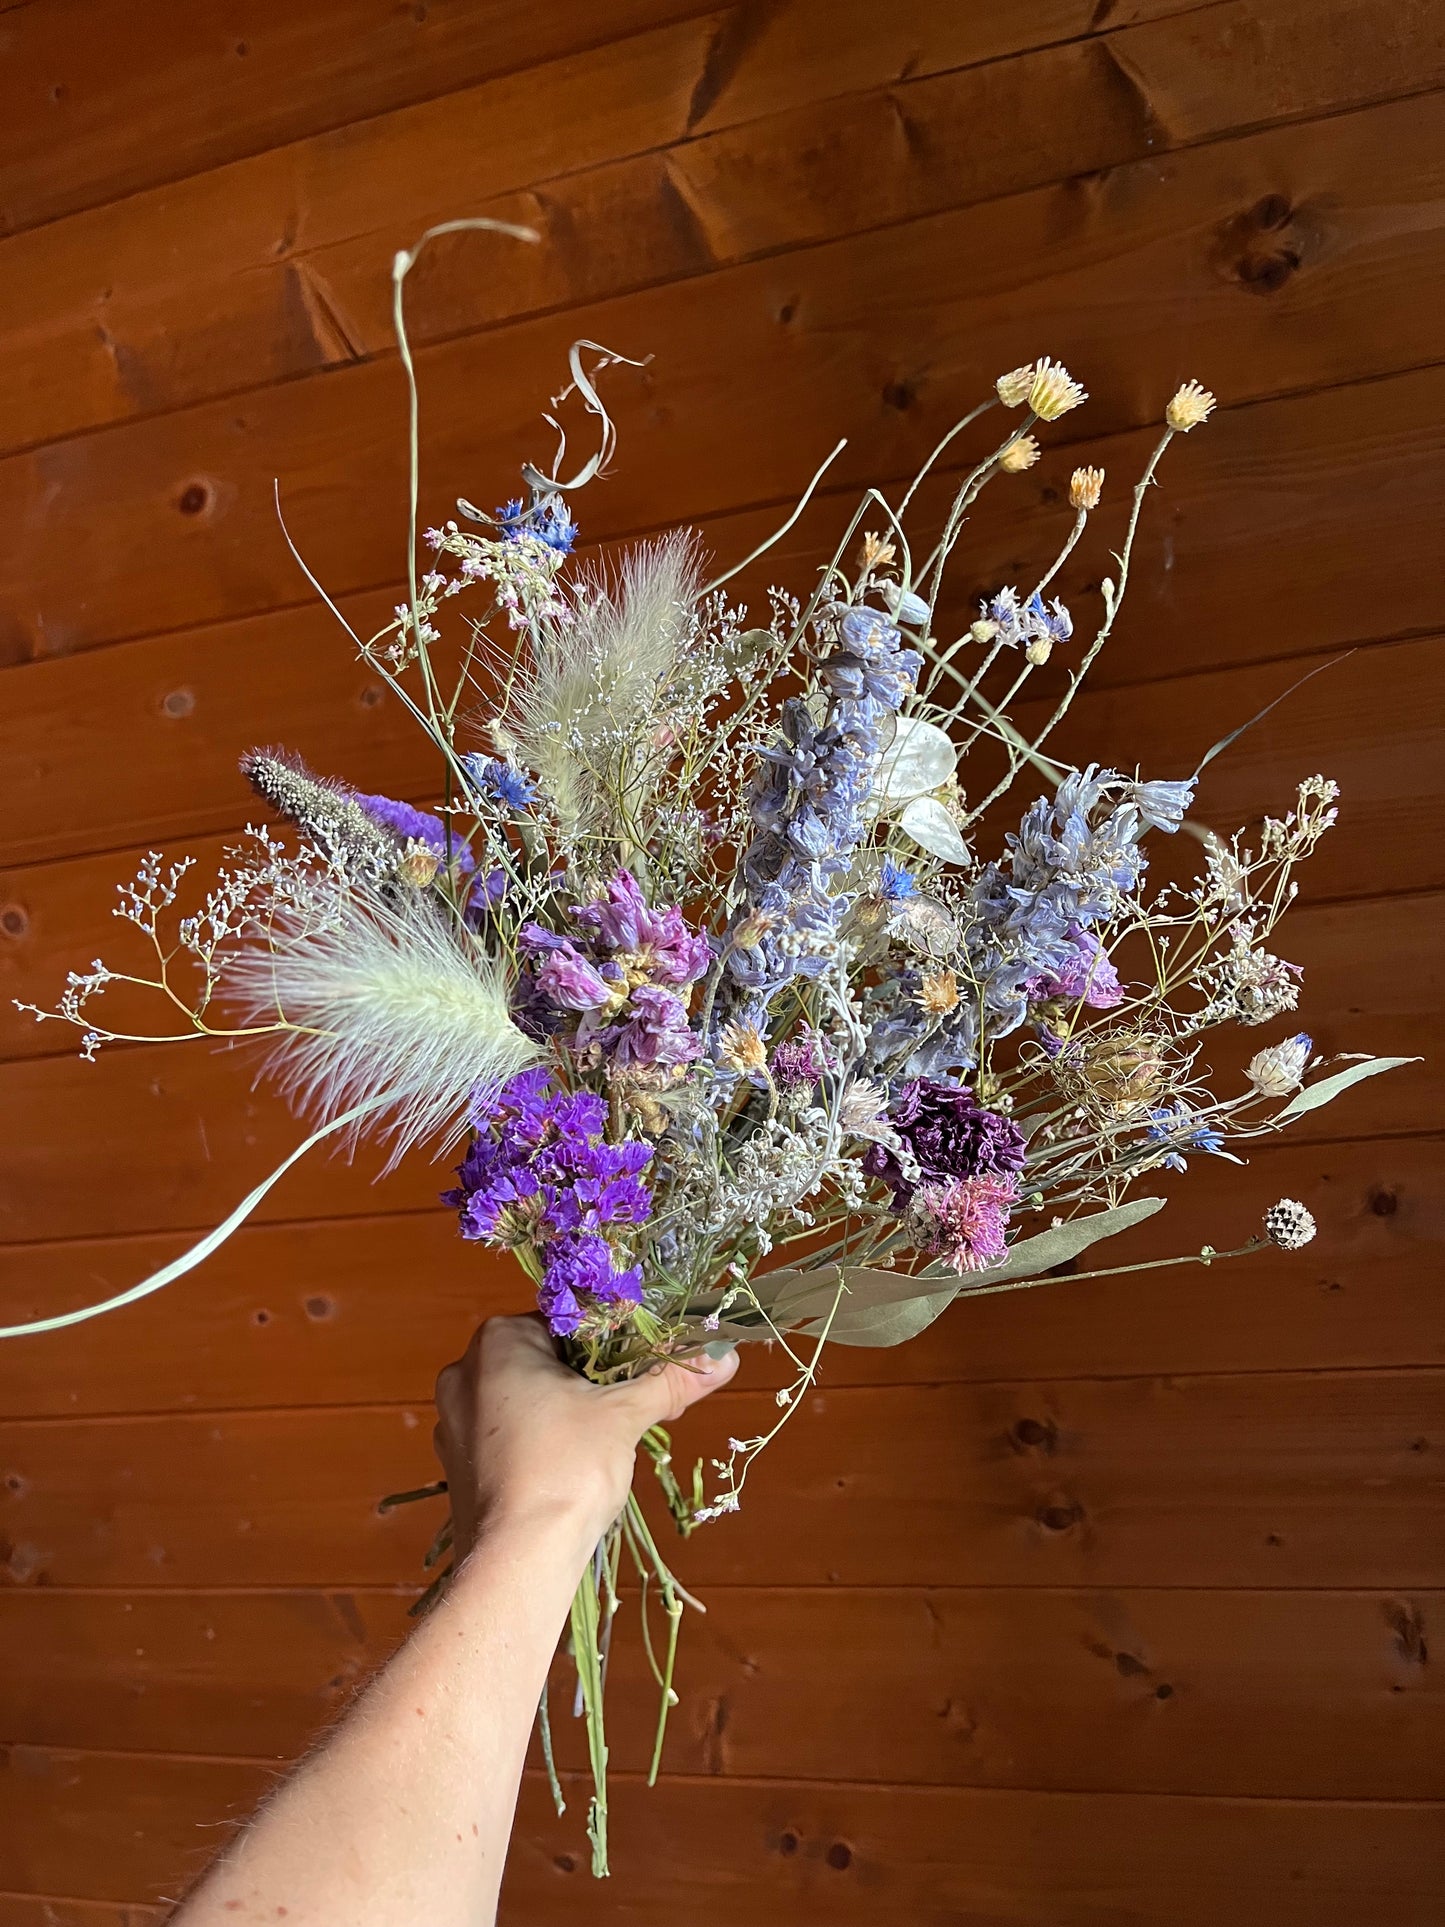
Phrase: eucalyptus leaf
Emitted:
{"points": [[881, 1325], [932, 827], [1329, 1088]]}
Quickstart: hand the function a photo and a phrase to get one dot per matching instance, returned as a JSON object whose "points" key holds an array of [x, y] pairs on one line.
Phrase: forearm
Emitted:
{"points": [[404, 1815]]}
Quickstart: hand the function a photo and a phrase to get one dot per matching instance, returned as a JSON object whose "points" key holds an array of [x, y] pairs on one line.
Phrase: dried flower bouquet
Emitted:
{"points": [[695, 957]]}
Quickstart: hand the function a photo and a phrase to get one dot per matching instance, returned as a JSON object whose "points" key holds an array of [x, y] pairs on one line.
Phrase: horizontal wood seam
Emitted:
{"points": [[723, 1398], [1203, 143]]}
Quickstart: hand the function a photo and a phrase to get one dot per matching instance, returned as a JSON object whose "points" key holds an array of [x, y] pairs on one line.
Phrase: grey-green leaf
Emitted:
{"points": [[884, 1324], [1329, 1088]]}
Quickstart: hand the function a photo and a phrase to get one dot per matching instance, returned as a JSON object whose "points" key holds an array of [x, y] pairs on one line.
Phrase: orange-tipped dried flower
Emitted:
{"points": [[1020, 454], [937, 993], [1188, 407], [876, 552], [1086, 485]]}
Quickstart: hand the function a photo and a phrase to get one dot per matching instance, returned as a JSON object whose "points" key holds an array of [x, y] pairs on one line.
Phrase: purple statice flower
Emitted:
{"points": [[547, 519], [578, 1271], [539, 1170], [650, 1029], [657, 944], [800, 1060], [1083, 974], [499, 781], [1182, 1130], [964, 1221], [949, 1135], [413, 825]]}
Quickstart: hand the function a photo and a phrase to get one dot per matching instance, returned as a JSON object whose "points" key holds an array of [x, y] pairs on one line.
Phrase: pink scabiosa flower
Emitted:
{"points": [[965, 1220]]}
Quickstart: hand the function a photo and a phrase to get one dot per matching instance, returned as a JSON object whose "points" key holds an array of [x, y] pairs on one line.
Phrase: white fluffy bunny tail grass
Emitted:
{"points": [[390, 1005]]}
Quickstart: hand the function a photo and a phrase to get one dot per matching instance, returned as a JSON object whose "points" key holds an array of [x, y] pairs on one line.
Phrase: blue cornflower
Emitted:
{"points": [[547, 518], [895, 884], [491, 777], [1177, 1126]]}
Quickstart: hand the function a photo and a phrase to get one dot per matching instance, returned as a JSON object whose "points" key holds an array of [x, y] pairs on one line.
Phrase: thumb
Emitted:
{"points": [[666, 1393]]}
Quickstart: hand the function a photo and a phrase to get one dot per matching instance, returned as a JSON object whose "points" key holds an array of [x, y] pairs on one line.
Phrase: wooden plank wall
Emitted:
{"points": [[1100, 1607]]}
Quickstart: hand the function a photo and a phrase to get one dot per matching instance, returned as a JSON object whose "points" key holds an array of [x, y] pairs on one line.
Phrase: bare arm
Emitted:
{"points": [[404, 1814]]}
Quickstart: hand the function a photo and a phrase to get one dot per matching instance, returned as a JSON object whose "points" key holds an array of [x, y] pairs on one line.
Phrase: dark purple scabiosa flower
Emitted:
{"points": [[540, 1172], [949, 1134]]}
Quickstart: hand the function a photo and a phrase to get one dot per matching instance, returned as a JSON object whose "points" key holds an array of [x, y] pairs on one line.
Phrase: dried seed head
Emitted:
{"points": [[1038, 651], [1013, 389], [1019, 455], [1289, 1225], [984, 630], [419, 866], [1188, 407], [876, 552], [1053, 391], [1086, 485], [1279, 1070]]}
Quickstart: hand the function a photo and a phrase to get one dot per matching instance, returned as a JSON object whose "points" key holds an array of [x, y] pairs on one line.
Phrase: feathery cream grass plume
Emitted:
{"points": [[386, 1002], [582, 711]]}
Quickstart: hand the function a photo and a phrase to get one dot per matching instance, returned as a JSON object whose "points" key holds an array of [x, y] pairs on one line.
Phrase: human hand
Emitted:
{"points": [[518, 1433]]}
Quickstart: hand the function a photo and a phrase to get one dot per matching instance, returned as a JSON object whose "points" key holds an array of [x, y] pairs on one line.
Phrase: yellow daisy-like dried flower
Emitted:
{"points": [[1053, 391], [1086, 485], [1188, 407], [937, 993], [1013, 389], [1019, 455], [741, 1048]]}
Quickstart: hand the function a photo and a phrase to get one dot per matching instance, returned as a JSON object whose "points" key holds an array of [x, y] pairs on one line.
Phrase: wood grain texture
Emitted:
{"points": [[364, 1310], [1085, 1691], [177, 513], [269, 268], [35, 1910], [773, 1855], [1304, 1479], [97, 115]]}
